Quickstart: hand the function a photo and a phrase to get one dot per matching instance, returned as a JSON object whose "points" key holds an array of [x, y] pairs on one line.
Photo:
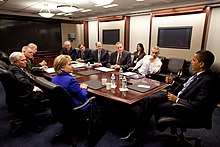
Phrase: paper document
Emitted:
{"points": [[78, 65], [105, 69], [50, 70], [128, 73], [143, 86]]}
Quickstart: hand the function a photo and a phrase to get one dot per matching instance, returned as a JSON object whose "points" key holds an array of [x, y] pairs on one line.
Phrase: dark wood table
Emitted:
{"points": [[128, 97]]}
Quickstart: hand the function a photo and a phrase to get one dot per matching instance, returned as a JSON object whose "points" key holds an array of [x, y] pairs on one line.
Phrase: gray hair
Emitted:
{"points": [[156, 48], [32, 46], [66, 43], [24, 48], [15, 56]]}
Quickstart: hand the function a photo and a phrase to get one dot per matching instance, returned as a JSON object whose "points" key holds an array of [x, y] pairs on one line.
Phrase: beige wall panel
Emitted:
{"points": [[112, 25], [195, 20]]}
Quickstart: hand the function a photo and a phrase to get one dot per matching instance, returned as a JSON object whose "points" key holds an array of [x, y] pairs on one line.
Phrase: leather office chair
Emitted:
{"points": [[183, 123], [65, 112], [175, 65], [4, 57], [19, 107]]}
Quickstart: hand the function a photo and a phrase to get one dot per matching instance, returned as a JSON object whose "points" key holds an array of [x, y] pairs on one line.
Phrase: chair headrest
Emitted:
{"points": [[44, 84], [3, 65]]}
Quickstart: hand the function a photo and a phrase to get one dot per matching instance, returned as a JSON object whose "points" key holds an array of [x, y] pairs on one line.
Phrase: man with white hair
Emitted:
{"points": [[68, 50], [34, 48], [27, 92]]}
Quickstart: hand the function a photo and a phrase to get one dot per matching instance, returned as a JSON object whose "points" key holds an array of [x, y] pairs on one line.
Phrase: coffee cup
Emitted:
{"points": [[108, 86], [104, 81]]}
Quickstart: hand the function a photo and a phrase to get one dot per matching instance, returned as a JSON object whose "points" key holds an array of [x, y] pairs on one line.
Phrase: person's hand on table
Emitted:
{"points": [[83, 85]]}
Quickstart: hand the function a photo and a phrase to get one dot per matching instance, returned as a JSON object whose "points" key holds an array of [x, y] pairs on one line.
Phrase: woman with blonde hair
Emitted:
{"points": [[63, 67]]}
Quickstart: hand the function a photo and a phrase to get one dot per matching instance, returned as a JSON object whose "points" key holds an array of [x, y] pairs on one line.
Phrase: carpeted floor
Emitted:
{"points": [[210, 138]]}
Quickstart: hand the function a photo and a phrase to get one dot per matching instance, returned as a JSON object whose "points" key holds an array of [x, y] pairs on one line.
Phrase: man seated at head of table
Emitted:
{"points": [[84, 54], [120, 58], [68, 50], [100, 56]]}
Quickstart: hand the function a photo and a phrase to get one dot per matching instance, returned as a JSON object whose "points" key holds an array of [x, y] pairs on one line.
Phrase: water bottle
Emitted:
{"points": [[124, 82], [120, 75], [113, 80]]}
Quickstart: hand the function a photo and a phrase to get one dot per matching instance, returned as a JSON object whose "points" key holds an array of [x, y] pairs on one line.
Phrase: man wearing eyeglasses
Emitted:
{"points": [[150, 64]]}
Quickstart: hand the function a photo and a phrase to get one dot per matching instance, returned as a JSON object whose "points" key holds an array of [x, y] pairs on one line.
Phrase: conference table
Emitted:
{"points": [[93, 76]]}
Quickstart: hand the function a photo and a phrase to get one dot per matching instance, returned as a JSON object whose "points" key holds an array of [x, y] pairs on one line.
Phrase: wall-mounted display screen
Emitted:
{"points": [[18, 33], [110, 36], [174, 37]]}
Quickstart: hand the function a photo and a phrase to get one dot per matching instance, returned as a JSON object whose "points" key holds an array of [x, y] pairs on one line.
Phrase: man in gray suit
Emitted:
{"points": [[100, 56]]}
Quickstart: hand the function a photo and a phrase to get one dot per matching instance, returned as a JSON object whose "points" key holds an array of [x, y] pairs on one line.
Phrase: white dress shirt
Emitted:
{"points": [[153, 67]]}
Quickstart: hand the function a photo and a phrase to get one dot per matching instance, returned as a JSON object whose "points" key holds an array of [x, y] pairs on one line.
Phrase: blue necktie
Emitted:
{"points": [[185, 85]]}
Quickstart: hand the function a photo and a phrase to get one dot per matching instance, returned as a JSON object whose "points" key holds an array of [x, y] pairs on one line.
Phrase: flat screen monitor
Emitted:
{"points": [[174, 37], [18, 33], [110, 36]]}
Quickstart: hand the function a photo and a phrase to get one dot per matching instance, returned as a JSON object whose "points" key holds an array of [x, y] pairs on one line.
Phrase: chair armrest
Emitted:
{"points": [[84, 104], [183, 108]]}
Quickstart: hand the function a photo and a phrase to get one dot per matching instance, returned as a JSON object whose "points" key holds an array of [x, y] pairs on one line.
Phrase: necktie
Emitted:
{"points": [[119, 58], [82, 55], [185, 85], [99, 56]]}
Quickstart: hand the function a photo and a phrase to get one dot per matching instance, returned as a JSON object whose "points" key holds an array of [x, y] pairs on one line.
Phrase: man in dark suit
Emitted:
{"points": [[26, 90], [120, 58], [100, 56], [84, 54], [198, 92], [68, 50]]}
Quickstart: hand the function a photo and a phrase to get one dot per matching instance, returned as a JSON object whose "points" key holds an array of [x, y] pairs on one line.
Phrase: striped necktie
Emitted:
{"points": [[99, 56], [185, 85]]}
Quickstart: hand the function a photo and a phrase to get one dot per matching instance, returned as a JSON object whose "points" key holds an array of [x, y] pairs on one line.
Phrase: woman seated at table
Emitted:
{"points": [[138, 54], [63, 67]]}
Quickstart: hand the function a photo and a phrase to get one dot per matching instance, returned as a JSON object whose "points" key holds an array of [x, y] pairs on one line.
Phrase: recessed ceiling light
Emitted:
{"points": [[61, 13], [109, 6], [139, 0], [87, 10]]}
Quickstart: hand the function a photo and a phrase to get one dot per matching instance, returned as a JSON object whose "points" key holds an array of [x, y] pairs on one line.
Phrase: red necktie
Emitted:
{"points": [[119, 58]]}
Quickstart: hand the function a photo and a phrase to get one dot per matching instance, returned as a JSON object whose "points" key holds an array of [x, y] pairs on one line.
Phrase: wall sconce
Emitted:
{"points": [[45, 12], [102, 2], [67, 8]]}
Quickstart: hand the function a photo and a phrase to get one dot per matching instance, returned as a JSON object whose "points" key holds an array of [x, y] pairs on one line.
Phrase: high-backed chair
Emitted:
{"points": [[64, 110], [175, 65], [197, 122]]}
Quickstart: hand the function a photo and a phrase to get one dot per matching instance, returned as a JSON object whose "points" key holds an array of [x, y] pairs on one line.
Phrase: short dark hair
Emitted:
{"points": [[207, 57]]}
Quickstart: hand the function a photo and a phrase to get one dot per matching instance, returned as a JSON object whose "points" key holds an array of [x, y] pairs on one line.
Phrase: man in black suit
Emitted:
{"points": [[84, 54], [68, 50], [120, 58], [198, 92], [100, 56], [26, 90]]}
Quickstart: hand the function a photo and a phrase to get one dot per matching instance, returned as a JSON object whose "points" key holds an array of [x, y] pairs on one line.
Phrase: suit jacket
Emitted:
{"points": [[31, 68], [87, 55], [125, 60], [104, 56], [25, 82], [72, 53], [72, 86], [201, 93]]}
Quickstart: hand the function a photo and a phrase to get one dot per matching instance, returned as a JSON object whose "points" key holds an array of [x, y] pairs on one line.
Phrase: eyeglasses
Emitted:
{"points": [[154, 52]]}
